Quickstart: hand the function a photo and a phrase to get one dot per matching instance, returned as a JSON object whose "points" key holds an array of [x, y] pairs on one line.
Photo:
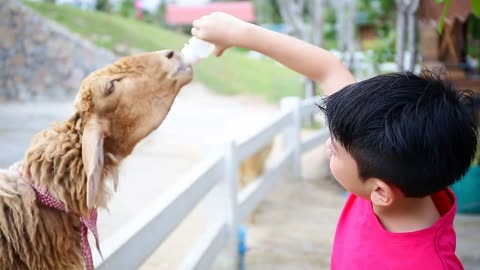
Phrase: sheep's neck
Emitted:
{"points": [[54, 161]]}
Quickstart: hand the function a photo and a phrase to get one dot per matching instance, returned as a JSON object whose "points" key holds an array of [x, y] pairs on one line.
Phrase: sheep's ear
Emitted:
{"points": [[92, 155]]}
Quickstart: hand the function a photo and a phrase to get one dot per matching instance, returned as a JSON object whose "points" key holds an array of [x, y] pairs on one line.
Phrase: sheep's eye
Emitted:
{"points": [[111, 86]]}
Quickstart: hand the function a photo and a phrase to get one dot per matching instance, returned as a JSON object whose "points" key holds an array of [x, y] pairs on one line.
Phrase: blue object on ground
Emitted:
{"points": [[242, 246], [467, 191]]}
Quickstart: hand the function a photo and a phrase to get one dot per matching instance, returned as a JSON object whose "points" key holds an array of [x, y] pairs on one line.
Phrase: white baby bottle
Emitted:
{"points": [[196, 50]]}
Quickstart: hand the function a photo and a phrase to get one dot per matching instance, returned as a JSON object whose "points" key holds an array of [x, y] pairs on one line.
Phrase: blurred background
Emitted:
{"points": [[47, 47], [371, 37]]}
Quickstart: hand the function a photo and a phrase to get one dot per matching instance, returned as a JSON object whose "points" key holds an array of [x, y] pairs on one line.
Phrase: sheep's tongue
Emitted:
{"points": [[185, 65], [185, 68]]}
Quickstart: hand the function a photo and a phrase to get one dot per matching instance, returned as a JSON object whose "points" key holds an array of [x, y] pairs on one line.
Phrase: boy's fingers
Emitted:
{"points": [[194, 31], [197, 33], [196, 23], [218, 51]]}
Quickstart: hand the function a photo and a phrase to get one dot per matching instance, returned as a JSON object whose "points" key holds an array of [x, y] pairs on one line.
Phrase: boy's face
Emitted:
{"points": [[345, 170]]}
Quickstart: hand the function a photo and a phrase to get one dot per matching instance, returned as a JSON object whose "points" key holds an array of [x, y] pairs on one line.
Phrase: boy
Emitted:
{"points": [[397, 142]]}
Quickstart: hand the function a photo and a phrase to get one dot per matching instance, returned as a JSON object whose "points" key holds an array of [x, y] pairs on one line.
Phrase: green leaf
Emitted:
{"points": [[441, 1], [441, 21], [475, 7]]}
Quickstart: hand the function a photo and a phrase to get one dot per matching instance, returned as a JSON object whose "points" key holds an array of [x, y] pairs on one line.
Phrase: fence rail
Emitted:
{"points": [[215, 179]]}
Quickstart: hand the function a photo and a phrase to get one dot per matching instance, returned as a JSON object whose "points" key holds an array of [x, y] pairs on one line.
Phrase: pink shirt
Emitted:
{"points": [[361, 242]]}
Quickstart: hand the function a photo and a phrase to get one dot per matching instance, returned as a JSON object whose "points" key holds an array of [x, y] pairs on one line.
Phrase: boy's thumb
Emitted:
{"points": [[218, 51]]}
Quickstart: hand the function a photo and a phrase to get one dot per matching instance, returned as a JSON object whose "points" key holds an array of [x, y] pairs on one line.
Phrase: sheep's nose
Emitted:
{"points": [[169, 54]]}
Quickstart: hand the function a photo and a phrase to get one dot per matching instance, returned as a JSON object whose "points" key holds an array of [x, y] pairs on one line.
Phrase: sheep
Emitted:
{"points": [[77, 160]]}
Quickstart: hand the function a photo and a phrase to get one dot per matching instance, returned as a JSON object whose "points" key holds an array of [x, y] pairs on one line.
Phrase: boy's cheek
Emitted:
{"points": [[339, 172], [333, 168]]}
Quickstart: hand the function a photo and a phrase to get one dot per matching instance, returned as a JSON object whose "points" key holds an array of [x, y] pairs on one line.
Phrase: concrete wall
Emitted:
{"points": [[40, 60]]}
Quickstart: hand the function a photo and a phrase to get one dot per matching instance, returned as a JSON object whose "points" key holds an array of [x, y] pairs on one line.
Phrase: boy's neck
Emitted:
{"points": [[408, 214]]}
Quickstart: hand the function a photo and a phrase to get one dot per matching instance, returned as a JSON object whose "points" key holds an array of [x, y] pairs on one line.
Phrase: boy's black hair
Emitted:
{"points": [[416, 132]]}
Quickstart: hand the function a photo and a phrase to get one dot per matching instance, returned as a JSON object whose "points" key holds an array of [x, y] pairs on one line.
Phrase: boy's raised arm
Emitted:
{"points": [[226, 31]]}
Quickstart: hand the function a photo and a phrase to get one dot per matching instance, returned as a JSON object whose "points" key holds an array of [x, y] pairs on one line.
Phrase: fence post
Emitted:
{"points": [[292, 133], [222, 204]]}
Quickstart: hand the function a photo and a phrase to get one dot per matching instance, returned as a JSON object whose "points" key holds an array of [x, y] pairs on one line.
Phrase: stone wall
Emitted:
{"points": [[40, 60]]}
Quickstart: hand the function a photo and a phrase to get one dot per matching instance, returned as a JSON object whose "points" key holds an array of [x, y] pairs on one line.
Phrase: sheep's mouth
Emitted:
{"points": [[184, 69]]}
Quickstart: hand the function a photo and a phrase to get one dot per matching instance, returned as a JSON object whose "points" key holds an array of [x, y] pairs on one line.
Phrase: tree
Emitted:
{"points": [[267, 12], [103, 5], [127, 8], [345, 25], [379, 13], [475, 10], [294, 14], [406, 26]]}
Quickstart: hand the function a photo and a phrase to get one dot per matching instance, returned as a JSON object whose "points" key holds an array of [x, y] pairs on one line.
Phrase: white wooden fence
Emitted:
{"points": [[216, 176]]}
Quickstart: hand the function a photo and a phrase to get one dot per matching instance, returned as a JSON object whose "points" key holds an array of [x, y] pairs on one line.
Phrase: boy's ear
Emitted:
{"points": [[382, 193]]}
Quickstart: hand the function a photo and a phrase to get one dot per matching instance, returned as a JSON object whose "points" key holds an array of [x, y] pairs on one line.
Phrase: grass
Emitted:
{"points": [[233, 73]]}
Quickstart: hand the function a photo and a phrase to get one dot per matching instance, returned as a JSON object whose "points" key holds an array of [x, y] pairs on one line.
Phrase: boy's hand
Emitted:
{"points": [[221, 29], [225, 31]]}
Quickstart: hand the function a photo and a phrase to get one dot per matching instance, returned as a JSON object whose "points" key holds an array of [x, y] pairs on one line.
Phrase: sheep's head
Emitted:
{"points": [[123, 103]]}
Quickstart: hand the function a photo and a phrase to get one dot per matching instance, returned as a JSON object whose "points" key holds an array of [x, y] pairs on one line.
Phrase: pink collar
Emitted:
{"points": [[88, 223]]}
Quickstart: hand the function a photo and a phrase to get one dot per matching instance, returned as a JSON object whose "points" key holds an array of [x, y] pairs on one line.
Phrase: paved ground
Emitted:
{"points": [[293, 228]]}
